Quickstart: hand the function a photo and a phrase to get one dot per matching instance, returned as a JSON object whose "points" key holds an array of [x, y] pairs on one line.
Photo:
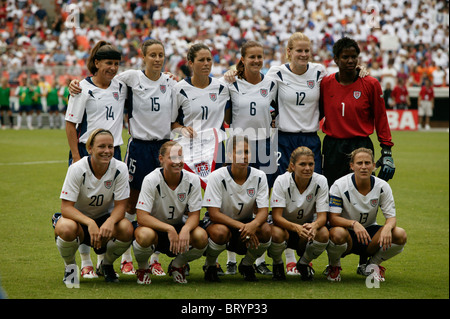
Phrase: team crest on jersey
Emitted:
{"points": [[374, 202], [213, 96], [309, 198], [263, 92], [181, 197], [162, 87], [116, 96], [202, 169], [356, 94], [108, 184], [310, 83], [251, 192]]}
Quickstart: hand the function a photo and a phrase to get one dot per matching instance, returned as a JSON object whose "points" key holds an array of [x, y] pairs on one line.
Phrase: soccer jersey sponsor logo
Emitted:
{"points": [[310, 83], [356, 94], [181, 197], [251, 192], [108, 184]]}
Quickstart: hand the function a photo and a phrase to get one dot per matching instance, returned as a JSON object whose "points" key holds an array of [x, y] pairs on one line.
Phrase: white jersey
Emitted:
{"points": [[95, 197], [299, 207], [234, 200], [250, 107], [201, 109], [298, 98], [97, 108], [149, 105], [351, 204], [168, 205]]}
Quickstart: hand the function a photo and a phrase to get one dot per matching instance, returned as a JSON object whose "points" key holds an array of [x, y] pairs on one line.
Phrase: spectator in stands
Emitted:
{"points": [[438, 77]]}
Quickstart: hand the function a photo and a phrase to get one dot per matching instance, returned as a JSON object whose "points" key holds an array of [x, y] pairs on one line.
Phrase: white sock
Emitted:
{"points": [[313, 250], [275, 251], [19, 121], [39, 120], [142, 254], [85, 260], [253, 253], [213, 251], [100, 259], [260, 260], [29, 120], [51, 120], [114, 249], [190, 255], [67, 250], [126, 257], [155, 257], [382, 255], [290, 256], [335, 252], [62, 120], [231, 257]]}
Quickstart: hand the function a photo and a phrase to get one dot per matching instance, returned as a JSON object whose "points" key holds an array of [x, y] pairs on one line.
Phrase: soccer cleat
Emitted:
{"points": [[361, 270], [291, 269], [278, 272], [109, 273], [211, 274], [88, 272], [187, 269], [333, 273], [177, 274], [143, 276], [71, 279], [306, 271], [156, 269], [378, 272], [231, 268], [219, 269], [247, 271], [126, 267], [262, 269]]}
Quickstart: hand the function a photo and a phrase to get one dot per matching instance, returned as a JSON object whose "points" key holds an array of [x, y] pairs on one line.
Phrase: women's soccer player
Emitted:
{"points": [[199, 101], [94, 197], [354, 202], [99, 105], [167, 193], [237, 203], [297, 196]]}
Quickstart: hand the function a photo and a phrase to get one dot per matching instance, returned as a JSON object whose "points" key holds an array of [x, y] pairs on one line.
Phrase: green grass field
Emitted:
{"points": [[33, 165]]}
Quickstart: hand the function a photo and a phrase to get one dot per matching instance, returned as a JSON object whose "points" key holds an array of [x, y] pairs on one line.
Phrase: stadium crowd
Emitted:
{"points": [[407, 40]]}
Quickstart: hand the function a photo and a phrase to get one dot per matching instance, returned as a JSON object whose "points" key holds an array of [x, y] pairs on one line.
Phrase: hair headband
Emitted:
{"points": [[108, 55]]}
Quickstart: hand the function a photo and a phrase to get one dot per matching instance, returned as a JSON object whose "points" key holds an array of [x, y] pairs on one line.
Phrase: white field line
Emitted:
{"points": [[33, 163]]}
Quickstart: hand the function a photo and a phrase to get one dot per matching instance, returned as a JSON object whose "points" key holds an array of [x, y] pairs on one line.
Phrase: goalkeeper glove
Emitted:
{"points": [[386, 162]]}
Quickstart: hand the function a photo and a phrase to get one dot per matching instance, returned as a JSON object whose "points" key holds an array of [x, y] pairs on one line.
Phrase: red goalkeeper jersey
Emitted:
{"points": [[354, 110]]}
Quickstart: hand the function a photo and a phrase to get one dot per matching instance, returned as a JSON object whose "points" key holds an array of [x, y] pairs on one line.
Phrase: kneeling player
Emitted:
{"points": [[166, 194], [354, 202], [94, 199], [231, 196], [297, 195]]}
